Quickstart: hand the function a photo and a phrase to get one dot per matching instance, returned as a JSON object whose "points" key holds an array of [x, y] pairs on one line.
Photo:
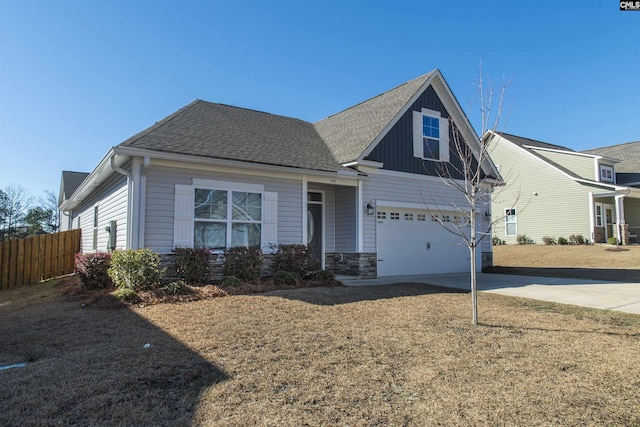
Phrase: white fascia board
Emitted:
{"points": [[555, 150], [235, 166], [91, 182], [367, 163]]}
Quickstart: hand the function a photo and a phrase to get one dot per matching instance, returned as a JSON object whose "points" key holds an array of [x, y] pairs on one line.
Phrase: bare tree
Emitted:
{"points": [[470, 173], [15, 201]]}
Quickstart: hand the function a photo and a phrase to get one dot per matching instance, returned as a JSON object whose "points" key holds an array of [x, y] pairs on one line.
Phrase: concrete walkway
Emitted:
{"points": [[607, 295]]}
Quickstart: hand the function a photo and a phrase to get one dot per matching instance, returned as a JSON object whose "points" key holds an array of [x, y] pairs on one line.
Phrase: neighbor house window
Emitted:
{"points": [[224, 219], [510, 222], [606, 173], [430, 135], [599, 215]]}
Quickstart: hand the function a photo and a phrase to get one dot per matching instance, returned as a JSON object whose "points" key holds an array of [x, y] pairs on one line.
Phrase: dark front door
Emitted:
{"points": [[314, 230]]}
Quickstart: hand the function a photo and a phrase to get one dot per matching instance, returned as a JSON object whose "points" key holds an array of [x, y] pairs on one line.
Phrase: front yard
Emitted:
{"points": [[389, 355]]}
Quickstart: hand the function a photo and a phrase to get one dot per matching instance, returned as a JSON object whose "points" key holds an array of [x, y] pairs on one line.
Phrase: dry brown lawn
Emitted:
{"points": [[391, 355], [601, 262]]}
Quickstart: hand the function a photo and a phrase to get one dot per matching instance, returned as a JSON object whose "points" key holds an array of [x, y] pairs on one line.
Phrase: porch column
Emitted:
{"points": [[623, 228]]}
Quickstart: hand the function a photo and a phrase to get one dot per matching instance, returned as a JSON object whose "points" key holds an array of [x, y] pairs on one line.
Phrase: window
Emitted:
{"points": [[510, 222], [224, 219], [430, 135], [408, 217], [95, 228], [606, 173], [599, 215], [381, 215], [446, 218], [422, 217], [395, 215], [434, 217]]}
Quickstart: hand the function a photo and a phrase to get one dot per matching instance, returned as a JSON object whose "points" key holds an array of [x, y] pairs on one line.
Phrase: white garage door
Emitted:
{"points": [[410, 242]]}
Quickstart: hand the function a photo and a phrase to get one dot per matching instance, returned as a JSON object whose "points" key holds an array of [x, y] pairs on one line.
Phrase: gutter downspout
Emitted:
{"points": [[121, 171]]}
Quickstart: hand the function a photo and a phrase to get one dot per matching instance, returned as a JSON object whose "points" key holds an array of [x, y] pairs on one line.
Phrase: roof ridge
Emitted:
{"points": [[611, 146], [378, 95]]}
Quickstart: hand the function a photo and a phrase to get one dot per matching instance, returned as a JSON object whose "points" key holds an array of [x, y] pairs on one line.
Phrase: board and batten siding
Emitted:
{"points": [[547, 202], [407, 190], [111, 200], [584, 167], [160, 200]]}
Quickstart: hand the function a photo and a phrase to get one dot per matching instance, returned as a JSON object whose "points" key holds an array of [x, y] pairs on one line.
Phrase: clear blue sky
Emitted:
{"points": [[78, 77]]}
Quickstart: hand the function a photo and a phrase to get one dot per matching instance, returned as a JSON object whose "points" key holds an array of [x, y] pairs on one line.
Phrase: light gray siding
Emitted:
{"points": [[111, 200], [345, 219], [547, 202], [160, 196], [583, 166]]}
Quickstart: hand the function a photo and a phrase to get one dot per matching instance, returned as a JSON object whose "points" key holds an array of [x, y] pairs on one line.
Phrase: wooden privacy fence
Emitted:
{"points": [[37, 258]]}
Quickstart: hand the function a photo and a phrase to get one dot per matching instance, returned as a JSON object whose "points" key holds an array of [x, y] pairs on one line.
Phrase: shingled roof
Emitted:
{"points": [[225, 132], [521, 141], [349, 132], [628, 169], [70, 182]]}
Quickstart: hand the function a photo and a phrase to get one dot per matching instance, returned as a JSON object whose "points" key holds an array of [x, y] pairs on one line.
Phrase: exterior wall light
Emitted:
{"points": [[370, 208]]}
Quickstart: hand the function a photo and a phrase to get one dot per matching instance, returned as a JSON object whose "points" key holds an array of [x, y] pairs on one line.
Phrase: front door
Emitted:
{"points": [[314, 225]]}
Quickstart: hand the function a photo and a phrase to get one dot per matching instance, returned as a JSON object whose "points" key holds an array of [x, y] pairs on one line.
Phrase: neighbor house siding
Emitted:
{"points": [[345, 219], [160, 196], [111, 200], [547, 202], [580, 165]]}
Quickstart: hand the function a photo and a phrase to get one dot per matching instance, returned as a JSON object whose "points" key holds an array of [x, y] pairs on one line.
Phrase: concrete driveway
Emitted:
{"points": [[607, 295]]}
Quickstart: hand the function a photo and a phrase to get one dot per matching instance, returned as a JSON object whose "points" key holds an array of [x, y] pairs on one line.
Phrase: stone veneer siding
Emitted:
{"points": [[363, 264], [487, 260], [216, 266]]}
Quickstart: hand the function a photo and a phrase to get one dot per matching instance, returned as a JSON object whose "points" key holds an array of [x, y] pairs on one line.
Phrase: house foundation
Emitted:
{"points": [[360, 264]]}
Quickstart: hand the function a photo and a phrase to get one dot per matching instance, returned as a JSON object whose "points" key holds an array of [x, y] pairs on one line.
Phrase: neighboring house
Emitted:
{"points": [[356, 186], [557, 192], [628, 166]]}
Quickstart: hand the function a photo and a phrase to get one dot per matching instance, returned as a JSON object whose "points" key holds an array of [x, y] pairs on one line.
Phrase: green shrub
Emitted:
{"points": [[576, 239], [285, 278], [243, 263], [612, 241], [548, 240], [230, 282], [135, 269], [92, 269], [296, 259], [192, 265], [562, 241], [323, 276], [127, 295], [496, 241], [522, 239], [176, 288]]}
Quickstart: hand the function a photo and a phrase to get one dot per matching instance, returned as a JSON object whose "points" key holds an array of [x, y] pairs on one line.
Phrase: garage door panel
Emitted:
{"points": [[408, 246]]}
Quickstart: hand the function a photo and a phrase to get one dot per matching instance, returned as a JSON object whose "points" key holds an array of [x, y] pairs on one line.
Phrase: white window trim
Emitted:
{"points": [[506, 222], [609, 169], [596, 216], [184, 215], [418, 144]]}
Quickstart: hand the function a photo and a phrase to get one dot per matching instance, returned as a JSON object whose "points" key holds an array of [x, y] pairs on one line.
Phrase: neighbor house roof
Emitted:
{"points": [[521, 141], [349, 132], [221, 131], [628, 169], [70, 182]]}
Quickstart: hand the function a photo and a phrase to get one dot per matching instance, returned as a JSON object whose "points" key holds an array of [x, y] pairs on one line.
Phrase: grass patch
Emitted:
{"points": [[388, 355]]}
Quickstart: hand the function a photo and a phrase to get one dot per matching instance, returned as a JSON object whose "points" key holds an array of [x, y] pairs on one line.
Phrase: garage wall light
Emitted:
{"points": [[370, 208]]}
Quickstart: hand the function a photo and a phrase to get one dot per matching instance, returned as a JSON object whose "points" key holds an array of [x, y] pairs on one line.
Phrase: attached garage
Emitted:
{"points": [[411, 242]]}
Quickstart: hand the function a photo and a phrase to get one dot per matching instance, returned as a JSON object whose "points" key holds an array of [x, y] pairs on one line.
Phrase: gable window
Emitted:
{"points": [[217, 215], [510, 222], [430, 135], [606, 173]]}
